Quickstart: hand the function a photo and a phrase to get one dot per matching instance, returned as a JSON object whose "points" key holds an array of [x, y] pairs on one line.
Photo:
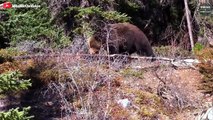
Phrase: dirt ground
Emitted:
{"points": [[175, 84], [156, 91]]}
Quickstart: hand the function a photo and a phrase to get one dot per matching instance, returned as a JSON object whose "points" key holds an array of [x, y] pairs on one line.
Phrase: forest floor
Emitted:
{"points": [[153, 90]]}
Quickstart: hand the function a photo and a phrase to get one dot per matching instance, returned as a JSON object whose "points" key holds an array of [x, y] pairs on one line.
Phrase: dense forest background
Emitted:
{"points": [[46, 73], [58, 23]]}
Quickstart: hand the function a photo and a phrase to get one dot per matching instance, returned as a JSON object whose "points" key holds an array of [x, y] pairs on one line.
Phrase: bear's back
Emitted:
{"points": [[123, 29], [127, 30]]}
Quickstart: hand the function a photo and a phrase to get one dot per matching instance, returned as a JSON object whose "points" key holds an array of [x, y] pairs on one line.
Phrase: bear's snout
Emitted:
{"points": [[93, 51]]}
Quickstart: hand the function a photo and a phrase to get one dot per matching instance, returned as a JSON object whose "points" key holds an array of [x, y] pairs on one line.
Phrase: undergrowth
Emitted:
{"points": [[206, 68], [8, 54], [10, 83]]}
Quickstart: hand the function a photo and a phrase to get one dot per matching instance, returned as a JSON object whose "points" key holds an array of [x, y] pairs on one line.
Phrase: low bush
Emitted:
{"points": [[32, 25], [16, 114], [206, 68], [171, 51], [12, 81], [8, 54]]}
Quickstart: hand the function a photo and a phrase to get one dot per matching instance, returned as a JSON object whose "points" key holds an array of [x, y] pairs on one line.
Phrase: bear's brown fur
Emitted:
{"points": [[94, 45], [123, 38]]}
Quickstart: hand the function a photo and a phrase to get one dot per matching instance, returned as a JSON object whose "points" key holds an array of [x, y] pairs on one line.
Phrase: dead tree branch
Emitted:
{"points": [[189, 23]]}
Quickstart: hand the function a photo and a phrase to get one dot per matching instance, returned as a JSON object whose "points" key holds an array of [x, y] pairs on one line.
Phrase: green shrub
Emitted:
{"points": [[32, 24], [198, 47], [94, 10], [12, 81], [97, 13], [16, 114], [133, 4]]}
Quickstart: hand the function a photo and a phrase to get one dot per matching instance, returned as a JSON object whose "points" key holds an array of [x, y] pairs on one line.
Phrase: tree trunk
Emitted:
{"points": [[189, 23]]}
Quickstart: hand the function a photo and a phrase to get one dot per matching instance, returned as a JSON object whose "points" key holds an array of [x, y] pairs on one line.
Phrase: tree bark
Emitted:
{"points": [[189, 23]]}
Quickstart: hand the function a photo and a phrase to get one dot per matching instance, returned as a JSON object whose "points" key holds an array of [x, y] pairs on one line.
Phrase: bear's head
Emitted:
{"points": [[94, 45]]}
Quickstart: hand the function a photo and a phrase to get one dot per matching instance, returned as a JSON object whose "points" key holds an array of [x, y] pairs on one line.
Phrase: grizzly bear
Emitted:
{"points": [[122, 38]]}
